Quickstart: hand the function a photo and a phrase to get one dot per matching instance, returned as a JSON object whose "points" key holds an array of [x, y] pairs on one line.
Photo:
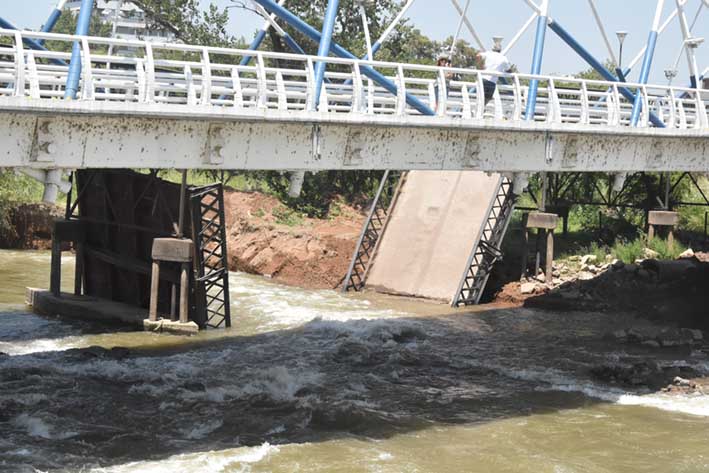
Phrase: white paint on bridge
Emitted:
{"points": [[182, 106]]}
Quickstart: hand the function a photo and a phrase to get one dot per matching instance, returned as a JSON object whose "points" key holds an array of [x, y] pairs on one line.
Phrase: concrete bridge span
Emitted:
{"points": [[190, 107], [76, 135]]}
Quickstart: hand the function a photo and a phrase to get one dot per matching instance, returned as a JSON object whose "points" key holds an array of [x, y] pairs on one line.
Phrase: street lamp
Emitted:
{"points": [[621, 39]]}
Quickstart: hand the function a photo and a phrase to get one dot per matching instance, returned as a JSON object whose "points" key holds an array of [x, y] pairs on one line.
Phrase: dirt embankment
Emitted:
{"points": [[264, 237], [30, 227]]}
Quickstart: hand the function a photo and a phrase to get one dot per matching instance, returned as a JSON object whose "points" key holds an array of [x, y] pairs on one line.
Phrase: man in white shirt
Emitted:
{"points": [[496, 62]]}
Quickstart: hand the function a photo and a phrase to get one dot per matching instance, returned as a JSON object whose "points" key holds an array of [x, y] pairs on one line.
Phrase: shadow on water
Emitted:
{"points": [[19, 326], [321, 381]]}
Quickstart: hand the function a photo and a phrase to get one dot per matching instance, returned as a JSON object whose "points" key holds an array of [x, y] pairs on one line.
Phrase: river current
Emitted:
{"points": [[317, 381]]}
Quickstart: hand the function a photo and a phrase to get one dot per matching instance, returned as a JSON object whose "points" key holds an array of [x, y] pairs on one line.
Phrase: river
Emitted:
{"points": [[315, 381]]}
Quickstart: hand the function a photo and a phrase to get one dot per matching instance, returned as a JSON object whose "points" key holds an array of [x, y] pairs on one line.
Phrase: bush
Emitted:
{"points": [[15, 189], [322, 188], [286, 216], [629, 251]]}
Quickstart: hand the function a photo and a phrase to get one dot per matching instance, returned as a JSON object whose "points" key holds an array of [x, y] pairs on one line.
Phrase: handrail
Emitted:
{"points": [[139, 71]]}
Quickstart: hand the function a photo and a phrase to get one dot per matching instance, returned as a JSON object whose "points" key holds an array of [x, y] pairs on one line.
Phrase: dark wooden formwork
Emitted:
{"points": [[124, 211]]}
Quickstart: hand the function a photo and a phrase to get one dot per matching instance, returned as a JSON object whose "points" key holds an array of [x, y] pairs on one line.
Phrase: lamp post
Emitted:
{"points": [[692, 44], [670, 74], [621, 39]]}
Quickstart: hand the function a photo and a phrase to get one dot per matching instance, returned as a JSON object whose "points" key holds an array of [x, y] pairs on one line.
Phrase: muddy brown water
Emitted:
{"points": [[315, 381]]}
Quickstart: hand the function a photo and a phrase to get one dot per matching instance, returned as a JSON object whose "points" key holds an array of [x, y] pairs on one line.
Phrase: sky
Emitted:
{"points": [[438, 19]]}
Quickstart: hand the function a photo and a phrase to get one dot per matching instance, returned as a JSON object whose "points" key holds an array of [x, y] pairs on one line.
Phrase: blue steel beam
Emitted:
{"points": [[647, 62], [324, 48], [31, 43], [261, 35], [597, 65], [293, 44], [537, 59], [338, 50], [255, 44], [53, 17], [82, 29]]}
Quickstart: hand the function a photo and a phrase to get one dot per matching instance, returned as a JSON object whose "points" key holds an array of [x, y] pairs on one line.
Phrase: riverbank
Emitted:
{"points": [[267, 238]]}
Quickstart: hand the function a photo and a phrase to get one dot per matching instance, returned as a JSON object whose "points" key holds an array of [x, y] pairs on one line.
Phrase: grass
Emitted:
{"points": [[630, 251], [286, 216]]}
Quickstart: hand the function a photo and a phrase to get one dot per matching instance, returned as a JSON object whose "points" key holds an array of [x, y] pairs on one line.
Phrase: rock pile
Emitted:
{"points": [[644, 374], [681, 385]]}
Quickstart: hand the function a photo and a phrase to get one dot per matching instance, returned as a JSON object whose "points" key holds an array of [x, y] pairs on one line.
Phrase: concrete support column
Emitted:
{"points": [[154, 286], [51, 186]]}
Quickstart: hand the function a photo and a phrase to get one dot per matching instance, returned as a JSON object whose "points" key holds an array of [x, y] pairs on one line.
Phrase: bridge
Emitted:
{"points": [[115, 103], [194, 107]]}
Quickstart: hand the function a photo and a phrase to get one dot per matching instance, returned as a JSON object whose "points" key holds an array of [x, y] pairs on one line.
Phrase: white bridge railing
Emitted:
{"points": [[139, 72]]}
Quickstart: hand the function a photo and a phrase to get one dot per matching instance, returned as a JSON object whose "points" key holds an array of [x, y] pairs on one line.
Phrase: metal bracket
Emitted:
{"points": [[353, 150], [549, 148], [216, 144], [45, 149], [472, 151], [571, 153], [317, 142]]}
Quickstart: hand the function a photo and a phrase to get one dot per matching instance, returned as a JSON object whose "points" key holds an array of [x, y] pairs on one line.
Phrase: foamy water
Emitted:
{"points": [[317, 381]]}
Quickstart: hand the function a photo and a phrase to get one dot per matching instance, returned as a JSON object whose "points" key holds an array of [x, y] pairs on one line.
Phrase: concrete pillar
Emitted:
{"points": [[154, 285]]}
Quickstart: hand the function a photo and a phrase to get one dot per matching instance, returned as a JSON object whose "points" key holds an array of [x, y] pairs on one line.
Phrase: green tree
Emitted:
{"points": [[67, 25], [186, 20]]}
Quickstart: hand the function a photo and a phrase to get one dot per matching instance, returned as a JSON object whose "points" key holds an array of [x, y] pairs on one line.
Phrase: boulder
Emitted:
{"points": [[528, 288], [687, 254], [650, 254], [617, 265], [588, 259], [679, 381]]}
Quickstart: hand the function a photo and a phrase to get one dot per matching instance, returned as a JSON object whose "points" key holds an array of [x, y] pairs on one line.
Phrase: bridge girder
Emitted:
{"points": [[74, 135]]}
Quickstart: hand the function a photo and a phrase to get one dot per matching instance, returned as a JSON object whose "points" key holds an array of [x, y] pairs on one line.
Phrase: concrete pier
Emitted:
{"points": [[67, 305]]}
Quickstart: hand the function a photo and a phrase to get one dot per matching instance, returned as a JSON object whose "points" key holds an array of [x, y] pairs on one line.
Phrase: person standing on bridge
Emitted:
{"points": [[444, 60], [496, 62]]}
